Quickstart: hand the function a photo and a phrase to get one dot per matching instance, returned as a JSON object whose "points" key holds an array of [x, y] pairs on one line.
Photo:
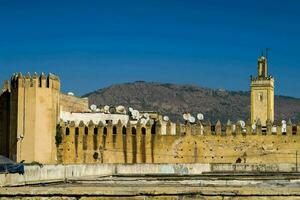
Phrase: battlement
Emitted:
{"points": [[35, 81], [262, 81], [167, 142], [200, 128]]}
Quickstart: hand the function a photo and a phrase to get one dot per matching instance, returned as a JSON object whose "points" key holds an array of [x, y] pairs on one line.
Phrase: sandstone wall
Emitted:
{"points": [[198, 143]]}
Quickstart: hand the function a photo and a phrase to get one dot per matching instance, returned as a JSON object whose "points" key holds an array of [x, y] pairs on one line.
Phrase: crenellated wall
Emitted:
{"points": [[34, 112], [190, 143]]}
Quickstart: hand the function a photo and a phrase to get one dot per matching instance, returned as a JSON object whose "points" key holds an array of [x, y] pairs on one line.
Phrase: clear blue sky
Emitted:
{"points": [[93, 44]]}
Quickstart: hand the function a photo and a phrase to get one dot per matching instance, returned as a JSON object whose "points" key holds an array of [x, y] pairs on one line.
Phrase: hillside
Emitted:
{"points": [[173, 100]]}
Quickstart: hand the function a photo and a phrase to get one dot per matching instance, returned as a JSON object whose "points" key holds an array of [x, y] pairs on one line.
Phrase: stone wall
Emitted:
{"points": [[34, 112], [197, 143]]}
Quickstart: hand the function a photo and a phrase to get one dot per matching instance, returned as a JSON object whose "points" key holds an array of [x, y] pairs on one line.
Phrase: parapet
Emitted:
{"points": [[39, 81], [201, 128], [262, 81]]}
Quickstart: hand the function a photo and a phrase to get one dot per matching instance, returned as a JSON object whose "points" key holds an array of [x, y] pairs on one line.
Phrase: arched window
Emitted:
{"points": [[104, 131], [143, 131], [124, 130], [95, 131], [153, 128], [133, 131], [86, 130], [76, 131], [114, 130], [67, 131]]}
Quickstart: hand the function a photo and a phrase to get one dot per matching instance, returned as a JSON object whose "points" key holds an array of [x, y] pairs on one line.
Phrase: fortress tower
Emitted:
{"points": [[262, 94], [34, 114]]}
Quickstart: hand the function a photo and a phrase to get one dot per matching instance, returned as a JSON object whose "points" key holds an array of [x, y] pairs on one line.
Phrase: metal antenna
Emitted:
{"points": [[267, 54]]}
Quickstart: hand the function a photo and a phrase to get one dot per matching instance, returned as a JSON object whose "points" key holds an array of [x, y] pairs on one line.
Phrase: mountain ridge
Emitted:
{"points": [[174, 99]]}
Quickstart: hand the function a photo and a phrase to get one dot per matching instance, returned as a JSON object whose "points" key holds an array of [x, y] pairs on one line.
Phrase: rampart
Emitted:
{"points": [[34, 113], [177, 143]]}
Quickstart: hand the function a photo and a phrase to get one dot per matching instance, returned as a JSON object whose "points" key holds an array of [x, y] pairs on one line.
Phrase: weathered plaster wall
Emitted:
{"points": [[34, 114], [197, 143]]}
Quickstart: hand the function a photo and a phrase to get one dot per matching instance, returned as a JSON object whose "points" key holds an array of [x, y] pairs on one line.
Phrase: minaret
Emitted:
{"points": [[262, 94]]}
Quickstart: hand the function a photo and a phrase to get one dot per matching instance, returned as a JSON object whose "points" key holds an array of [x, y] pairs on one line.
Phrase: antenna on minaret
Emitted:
{"points": [[267, 54], [262, 52]]}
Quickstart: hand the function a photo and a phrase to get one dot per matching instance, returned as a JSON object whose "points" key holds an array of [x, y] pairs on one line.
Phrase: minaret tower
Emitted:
{"points": [[262, 94]]}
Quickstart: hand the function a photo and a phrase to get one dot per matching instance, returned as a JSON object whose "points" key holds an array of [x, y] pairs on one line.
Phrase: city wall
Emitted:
{"points": [[190, 143]]}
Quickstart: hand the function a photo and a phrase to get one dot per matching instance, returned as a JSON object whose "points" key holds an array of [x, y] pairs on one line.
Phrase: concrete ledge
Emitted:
{"points": [[60, 173]]}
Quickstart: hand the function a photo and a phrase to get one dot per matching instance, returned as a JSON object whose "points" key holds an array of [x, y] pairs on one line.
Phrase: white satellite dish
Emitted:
{"points": [[120, 109], [146, 115], [186, 116], [143, 121], [106, 109], [192, 119], [200, 116], [130, 109], [70, 93], [93, 107], [166, 118], [135, 114], [242, 123]]}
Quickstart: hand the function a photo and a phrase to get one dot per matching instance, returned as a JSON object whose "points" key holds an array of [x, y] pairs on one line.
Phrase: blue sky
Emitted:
{"points": [[93, 44]]}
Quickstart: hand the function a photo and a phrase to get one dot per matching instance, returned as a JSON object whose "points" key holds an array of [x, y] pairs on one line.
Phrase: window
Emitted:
{"points": [[133, 131], [114, 130], [261, 97], [67, 131], [95, 131], [124, 130], [143, 131]]}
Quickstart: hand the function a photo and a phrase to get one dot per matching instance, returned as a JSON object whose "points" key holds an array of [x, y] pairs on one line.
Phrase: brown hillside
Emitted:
{"points": [[173, 100]]}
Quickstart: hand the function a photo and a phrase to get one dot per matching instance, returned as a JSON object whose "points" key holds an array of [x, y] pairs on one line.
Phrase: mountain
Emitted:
{"points": [[173, 100]]}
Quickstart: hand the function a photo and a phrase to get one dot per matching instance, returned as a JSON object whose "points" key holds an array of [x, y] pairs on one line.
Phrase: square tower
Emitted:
{"points": [[262, 94]]}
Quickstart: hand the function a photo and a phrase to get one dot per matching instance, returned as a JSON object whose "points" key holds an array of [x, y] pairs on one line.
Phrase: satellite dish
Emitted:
{"points": [[192, 119], [98, 110], [93, 107], [146, 115], [135, 114], [166, 118], [120, 109], [70, 93], [200, 116], [186, 116], [112, 110], [130, 109], [242, 123], [106, 109], [143, 121]]}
